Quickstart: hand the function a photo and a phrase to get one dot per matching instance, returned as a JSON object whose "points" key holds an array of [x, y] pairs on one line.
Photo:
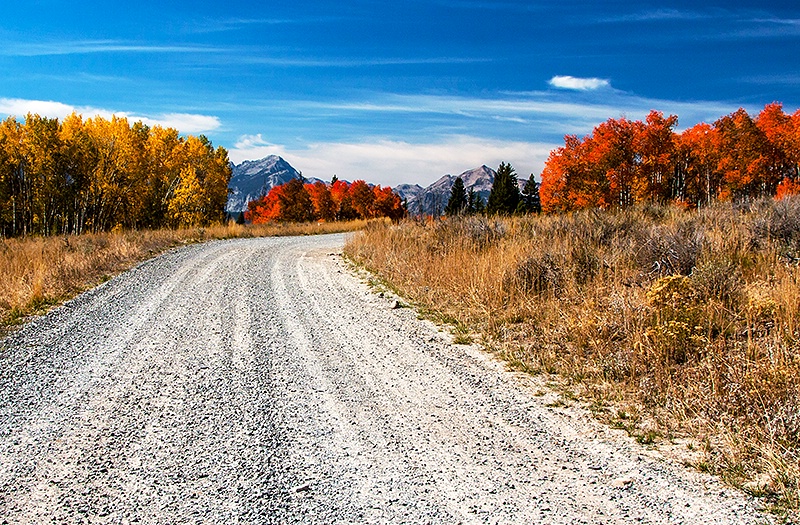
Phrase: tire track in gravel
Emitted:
{"points": [[259, 381]]}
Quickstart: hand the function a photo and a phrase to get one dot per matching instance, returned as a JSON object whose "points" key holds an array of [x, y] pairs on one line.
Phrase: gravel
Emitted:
{"points": [[260, 381]]}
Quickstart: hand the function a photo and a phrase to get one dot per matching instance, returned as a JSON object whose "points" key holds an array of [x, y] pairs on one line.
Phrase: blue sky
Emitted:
{"points": [[401, 91]]}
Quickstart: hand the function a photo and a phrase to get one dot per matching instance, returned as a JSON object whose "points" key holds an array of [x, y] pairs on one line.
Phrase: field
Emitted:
{"points": [[683, 327], [38, 272]]}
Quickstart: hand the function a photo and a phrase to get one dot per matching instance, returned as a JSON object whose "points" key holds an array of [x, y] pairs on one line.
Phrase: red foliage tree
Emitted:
{"points": [[265, 209], [298, 202], [388, 204], [623, 162], [295, 203], [654, 146], [321, 199], [782, 148], [787, 187], [743, 160], [363, 199], [697, 178]]}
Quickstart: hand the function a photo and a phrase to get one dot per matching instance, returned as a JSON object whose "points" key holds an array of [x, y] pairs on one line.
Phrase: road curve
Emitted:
{"points": [[260, 381]]}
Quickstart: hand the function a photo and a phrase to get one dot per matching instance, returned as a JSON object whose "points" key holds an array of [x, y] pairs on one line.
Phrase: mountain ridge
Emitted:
{"points": [[252, 179], [433, 199]]}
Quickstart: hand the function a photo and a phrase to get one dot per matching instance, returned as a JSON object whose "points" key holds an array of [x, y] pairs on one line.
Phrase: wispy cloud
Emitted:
{"points": [[531, 104], [524, 7], [235, 24], [386, 162], [771, 80], [736, 23], [183, 122], [769, 27], [579, 84], [355, 62], [565, 111], [664, 14], [83, 47], [227, 55]]}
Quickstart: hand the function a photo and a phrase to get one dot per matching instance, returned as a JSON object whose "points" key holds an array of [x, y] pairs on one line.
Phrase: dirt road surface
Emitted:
{"points": [[261, 381]]}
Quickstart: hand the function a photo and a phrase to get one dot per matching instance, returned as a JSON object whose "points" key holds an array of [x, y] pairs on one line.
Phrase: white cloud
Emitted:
{"points": [[183, 122], [388, 162], [578, 84], [249, 142]]}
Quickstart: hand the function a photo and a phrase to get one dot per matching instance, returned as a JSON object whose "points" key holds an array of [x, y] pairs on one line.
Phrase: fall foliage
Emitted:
{"points": [[623, 162], [299, 202], [78, 176]]}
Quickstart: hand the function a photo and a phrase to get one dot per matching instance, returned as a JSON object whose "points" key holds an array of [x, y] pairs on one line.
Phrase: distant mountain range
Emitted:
{"points": [[252, 179], [433, 199]]}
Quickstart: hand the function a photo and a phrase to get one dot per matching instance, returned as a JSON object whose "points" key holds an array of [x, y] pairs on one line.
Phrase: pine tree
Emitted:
{"points": [[504, 197], [475, 204], [457, 204], [471, 201], [530, 202]]}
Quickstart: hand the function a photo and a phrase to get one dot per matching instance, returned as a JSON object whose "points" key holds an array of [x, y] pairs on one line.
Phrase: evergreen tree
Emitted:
{"points": [[530, 202], [504, 197], [475, 204], [457, 203]]}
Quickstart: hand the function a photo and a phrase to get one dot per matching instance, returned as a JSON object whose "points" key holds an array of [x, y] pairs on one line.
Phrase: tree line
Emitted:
{"points": [[297, 201], [623, 162], [75, 176], [505, 197]]}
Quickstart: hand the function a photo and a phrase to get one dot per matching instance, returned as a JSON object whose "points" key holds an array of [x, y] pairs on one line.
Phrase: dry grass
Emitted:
{"points": [[671, 323], [38, 272]]}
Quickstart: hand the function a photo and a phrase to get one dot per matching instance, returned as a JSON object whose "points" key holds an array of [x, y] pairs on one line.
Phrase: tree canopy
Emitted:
{"points": [[298, 202], [623, 162], [76, 175]]}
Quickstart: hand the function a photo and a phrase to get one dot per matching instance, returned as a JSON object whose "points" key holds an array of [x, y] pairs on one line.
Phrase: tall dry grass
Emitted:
{"points": [[38, 272], [671, 322]]}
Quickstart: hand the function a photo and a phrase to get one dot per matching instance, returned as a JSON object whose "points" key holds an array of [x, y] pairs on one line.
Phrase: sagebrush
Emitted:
{"points": [[673, 322]]}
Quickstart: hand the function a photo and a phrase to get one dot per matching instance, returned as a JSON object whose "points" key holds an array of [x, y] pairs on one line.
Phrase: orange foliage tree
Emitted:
{"points": [[623, 162], [295, 202]]}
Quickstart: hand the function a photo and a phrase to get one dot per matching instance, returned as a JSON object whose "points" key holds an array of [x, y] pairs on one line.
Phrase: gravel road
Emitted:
{"points": [[260, 381]]}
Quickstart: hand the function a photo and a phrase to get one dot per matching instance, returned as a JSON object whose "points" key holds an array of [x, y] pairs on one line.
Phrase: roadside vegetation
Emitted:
{"points": [[39, 272], [677, 325]]}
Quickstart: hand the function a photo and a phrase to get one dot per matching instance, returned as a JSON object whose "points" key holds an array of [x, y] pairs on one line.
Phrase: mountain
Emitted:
{"points": [[408, 192], [433, 199], [252, 179]]}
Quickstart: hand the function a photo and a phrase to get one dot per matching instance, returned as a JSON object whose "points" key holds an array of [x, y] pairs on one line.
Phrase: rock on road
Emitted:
{"points": [[260, 381]]}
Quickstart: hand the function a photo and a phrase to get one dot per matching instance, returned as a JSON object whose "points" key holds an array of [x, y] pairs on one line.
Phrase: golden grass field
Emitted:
{"points": [[38, 272], [680, 326]]}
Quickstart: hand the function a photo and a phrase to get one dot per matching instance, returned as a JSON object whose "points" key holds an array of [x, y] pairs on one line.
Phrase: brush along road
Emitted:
{"points": [[260, 381]]}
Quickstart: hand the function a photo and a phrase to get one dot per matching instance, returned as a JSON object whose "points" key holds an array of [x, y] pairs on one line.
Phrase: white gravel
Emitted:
{"points": [[260, 381]]}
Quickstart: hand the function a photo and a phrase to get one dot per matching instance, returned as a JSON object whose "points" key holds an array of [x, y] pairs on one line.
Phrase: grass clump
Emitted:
{"points": [[691, 317]]}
